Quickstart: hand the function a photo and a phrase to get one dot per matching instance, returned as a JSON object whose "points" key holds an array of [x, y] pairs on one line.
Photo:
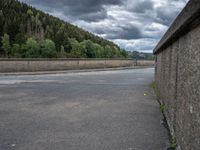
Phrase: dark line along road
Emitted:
{"points": [[106, 110]]}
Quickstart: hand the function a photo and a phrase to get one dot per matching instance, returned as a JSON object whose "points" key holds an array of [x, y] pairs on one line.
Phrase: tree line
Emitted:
{"points": [[141, 55], [29, 33]]}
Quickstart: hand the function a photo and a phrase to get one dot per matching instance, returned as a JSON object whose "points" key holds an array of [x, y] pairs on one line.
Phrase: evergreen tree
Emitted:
{"points": [[6, 44], [62, 53], [16, 51]]}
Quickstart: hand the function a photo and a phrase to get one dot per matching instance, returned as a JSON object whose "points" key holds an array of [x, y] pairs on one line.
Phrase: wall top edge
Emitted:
{"points": [[59, 59]]}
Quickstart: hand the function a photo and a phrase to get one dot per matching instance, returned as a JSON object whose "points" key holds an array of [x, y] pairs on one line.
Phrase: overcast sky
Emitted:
{"points": [[132, 24]]}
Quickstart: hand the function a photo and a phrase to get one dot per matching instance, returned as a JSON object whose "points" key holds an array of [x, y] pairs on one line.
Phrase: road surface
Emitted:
{"points": [[107, 110]]}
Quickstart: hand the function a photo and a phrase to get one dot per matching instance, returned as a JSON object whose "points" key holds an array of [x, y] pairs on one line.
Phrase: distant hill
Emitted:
{"points": [[29, 33], [141, 55]]}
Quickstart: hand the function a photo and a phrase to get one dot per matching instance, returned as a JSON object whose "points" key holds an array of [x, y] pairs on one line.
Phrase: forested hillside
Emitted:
{"points": [[29, 33]]}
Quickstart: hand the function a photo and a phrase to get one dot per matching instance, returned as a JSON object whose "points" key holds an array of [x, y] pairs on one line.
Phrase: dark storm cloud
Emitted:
{"points": [[88, 10], [126, 33], [133, 24], [140, 6], [91, 16]]}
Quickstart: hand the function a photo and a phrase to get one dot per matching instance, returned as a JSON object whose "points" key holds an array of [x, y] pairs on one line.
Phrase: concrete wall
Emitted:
{"points": [[28, 65], [17, 65], [178, 76], [145, 63]]}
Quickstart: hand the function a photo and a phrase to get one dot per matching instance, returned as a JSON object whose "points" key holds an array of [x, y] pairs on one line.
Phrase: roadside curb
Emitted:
{"points": [[71, 71]]}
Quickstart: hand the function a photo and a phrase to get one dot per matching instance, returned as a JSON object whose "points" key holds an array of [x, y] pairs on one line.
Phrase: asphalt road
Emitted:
{"points": [[107, 110]]}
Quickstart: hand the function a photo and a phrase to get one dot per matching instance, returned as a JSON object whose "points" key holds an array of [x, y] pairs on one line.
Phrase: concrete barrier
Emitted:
{"points": [[29, 65], [178, 76], [145, 63]]}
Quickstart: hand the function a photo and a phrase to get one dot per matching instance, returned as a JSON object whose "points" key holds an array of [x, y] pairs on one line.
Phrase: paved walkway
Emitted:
{"points": [[107, 110]]}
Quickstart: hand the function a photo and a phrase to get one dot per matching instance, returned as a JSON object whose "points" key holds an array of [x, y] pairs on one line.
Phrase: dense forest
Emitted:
{"points": [[26, 32]]}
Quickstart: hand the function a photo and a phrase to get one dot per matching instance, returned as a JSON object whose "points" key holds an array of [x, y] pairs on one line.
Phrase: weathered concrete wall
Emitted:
{"points": [[17, 65], [145, 63], [178, 76]]}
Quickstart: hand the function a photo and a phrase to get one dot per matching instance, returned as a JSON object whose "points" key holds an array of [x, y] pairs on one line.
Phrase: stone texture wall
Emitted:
{"points": [[145, 63], [20, 65], [178, 81]]}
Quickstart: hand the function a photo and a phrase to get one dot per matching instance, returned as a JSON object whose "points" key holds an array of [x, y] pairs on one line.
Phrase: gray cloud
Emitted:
{"points": [[132, 24], [139, 6], [166, 15], [88, 10], [126, 33], [92, 16]]}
